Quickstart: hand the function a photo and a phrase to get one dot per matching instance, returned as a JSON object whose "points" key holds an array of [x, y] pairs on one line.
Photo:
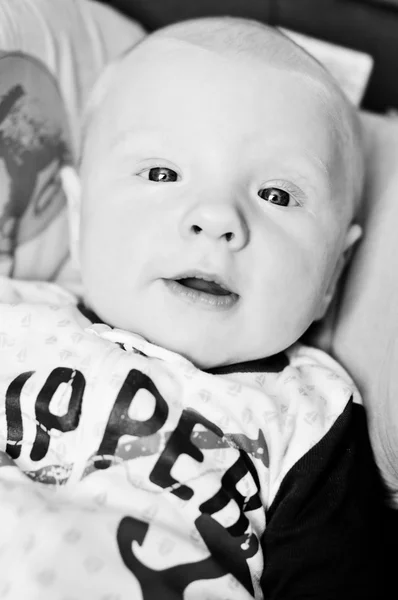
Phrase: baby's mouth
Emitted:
{"points": [[202, 290], [202, 285]]}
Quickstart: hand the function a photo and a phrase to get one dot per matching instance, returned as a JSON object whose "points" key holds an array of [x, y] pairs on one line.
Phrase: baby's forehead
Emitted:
{"points": [[138, 72], [179, 50], [169, 73]]}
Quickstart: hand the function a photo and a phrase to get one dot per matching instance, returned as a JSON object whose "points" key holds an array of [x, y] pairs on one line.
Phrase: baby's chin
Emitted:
{"points": [[205, 362], [206, 354]]}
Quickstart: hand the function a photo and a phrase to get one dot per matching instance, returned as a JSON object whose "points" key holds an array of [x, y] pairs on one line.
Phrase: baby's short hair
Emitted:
{"points": [[237, 36]]}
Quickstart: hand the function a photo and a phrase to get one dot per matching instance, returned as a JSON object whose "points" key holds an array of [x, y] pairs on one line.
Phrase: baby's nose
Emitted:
{"points": [[218, 221]]}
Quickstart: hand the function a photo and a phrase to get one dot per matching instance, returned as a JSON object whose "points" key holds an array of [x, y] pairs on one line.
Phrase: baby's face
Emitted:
{"points": [[211, 217]]}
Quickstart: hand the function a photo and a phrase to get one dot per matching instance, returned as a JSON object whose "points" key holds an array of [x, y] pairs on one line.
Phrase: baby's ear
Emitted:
{"points": [[72, 189], [354, 233]]}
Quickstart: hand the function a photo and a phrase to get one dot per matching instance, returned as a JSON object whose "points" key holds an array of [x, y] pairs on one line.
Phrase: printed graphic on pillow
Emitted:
{"points": [[34, 143]]}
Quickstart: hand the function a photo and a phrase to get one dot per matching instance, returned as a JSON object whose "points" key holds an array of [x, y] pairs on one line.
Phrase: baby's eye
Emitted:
{"points": [[277, 196], [160, 174]]}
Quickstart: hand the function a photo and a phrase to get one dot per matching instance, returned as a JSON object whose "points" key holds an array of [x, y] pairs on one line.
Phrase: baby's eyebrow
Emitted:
{"points": [[313, 160], [319, 163], [300, 163], [320, 166], [272, 150]]}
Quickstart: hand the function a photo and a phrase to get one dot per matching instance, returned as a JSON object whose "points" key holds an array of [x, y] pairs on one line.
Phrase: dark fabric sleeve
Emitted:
{"points": [[324, 538]]}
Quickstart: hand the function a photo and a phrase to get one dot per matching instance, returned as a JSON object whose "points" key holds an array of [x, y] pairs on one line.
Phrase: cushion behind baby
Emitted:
{"points": [[365, 335]]}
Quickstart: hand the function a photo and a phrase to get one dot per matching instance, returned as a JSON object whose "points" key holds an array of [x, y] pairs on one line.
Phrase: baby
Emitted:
{"points": [[220, 178], [195, 448]]}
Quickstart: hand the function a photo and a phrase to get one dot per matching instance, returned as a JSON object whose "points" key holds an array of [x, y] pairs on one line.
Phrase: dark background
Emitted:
{"points": [[367, 25]]}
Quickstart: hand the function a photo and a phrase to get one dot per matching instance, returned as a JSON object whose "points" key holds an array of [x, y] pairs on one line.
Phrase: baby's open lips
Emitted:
{"points": [[210, 287], [204, 282]]}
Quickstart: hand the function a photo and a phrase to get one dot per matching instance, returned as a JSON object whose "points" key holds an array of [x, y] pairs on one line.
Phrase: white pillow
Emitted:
{"points": [[366, 330]]}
